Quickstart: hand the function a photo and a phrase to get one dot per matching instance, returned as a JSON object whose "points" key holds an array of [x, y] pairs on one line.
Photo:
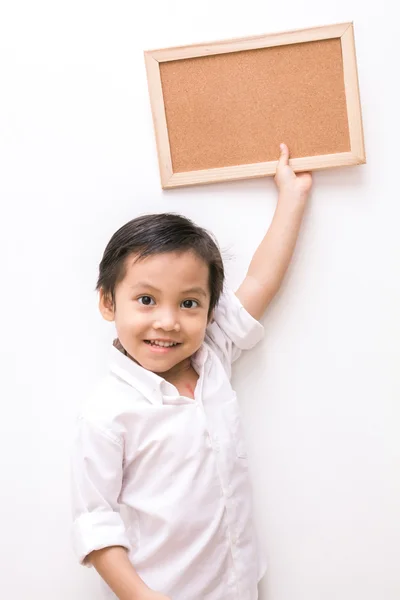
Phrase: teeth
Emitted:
{"points": [[162, 344]]}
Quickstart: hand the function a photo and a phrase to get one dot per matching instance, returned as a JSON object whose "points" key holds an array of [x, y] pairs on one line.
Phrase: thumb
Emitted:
{"points": [[284, 156]]}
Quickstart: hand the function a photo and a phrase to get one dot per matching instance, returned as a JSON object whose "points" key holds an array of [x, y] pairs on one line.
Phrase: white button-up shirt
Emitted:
{"points": [[166, 476]]}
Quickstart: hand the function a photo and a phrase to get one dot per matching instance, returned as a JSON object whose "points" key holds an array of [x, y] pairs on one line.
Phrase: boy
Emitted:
{"points": [[162, 505]]}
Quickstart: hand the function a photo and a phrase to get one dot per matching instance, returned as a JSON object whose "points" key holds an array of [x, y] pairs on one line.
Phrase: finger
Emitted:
{"points": [[284, 156]]}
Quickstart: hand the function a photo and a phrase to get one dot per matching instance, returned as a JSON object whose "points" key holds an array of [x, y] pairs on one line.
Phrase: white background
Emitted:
{"points": [[320, 397]]}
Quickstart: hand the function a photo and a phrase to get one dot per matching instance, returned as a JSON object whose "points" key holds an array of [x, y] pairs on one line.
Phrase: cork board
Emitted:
{"points": [[221, 110]]}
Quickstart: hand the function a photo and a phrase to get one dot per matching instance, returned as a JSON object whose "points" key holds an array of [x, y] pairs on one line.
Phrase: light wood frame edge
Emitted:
{"points": [[296, 36], [159, 118], [251, 171], [344, 31], [352, 93]]}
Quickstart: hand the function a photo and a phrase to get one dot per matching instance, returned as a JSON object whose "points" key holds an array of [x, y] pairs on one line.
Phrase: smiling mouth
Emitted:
{"points": [[161, 344]]}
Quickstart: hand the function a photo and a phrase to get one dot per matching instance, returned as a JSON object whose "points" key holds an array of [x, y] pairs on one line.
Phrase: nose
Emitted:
{"points": [[167, 321]]}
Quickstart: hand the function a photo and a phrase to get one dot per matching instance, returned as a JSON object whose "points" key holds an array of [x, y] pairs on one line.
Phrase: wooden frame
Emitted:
{"points": [[153, 58]]}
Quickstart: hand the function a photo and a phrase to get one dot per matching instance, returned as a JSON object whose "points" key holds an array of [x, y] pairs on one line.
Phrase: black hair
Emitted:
{"points": [[156, 234]]}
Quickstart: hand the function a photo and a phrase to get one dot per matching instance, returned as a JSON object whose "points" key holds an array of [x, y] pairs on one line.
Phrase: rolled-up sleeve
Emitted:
{"points": [[97, 471], [233, 329]]}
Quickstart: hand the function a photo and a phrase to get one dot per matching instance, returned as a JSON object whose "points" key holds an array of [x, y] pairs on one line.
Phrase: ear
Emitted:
{"points": [[210, 318], [106, 306]]}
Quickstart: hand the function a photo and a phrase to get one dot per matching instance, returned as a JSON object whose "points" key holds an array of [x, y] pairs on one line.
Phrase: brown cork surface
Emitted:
{"points": [[236, 108]]}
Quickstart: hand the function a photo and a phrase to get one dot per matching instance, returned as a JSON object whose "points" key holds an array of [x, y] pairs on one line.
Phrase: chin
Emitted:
{"points": [[158, 364], [158, 367]]}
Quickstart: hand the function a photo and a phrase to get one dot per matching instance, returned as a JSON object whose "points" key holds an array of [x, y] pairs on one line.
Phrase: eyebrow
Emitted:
{"points": [[144, 284], [196, 290], [193, 290]]}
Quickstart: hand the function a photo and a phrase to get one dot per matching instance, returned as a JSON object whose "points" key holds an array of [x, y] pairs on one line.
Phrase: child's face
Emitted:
{"points": [[162, 299]]}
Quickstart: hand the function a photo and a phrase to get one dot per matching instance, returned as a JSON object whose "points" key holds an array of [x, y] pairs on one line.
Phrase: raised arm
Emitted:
{"points": [[272, 257]]}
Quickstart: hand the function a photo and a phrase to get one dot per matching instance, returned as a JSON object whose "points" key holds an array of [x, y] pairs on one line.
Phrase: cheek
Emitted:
{"points": [[196, 328], [129, 320]]}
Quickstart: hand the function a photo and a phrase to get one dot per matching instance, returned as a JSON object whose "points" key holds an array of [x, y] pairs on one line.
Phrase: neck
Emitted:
{"points": [[177, 371], [172, 374]]}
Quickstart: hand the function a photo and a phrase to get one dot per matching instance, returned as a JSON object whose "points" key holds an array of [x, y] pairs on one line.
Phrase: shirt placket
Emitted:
{"points": [[233, 580], [224, 458]]}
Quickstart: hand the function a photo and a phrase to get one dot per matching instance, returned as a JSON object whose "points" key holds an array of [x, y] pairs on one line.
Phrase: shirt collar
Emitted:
{"points": [[152, 386]]}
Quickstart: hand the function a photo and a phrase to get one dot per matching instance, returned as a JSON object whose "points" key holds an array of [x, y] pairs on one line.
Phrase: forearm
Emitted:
{"points": [[272, 257], [114, 566]]}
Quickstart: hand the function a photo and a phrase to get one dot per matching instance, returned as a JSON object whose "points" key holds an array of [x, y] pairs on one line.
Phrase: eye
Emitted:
{"points": [[190, 304], [146, 300]]}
